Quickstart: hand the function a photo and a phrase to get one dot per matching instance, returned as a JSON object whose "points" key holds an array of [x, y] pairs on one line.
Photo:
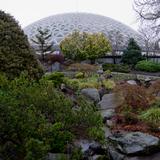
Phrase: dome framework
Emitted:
{"points": [[62, 25]]}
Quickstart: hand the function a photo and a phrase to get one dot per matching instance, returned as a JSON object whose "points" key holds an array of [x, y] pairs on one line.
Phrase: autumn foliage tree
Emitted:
{"points": [[81, 46]]}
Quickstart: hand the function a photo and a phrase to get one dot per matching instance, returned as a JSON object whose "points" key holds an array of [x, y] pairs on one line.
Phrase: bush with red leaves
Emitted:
{"points": [[135, 96]]}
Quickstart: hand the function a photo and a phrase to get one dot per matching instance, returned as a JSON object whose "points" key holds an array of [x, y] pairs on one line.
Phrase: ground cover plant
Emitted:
{"points": [[88, 82]]}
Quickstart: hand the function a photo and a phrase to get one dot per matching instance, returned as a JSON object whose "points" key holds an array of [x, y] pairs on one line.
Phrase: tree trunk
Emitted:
{"points": [[114, 59]]}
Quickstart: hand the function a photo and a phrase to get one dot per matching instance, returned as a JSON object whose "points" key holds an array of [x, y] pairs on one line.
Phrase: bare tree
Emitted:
{"points": [[149, 10], [116, 39], [149, 36]]}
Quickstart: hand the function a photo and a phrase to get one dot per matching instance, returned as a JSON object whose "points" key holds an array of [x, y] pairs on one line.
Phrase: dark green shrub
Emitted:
{"points": [[16, 54], [89, 120], [35, 117], [148, 66], [59, 137], [55, 77], [76, 154], [116, 68], [35, 149]]}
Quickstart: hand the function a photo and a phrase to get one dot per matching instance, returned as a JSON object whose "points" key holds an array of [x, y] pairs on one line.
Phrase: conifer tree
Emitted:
{"points": [[42, 43], [132, 54], [16, 54]]}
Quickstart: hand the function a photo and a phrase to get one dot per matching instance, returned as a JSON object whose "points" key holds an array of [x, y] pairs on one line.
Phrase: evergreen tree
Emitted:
{"points": [[42, 42], [16, 54], [132, 54]]}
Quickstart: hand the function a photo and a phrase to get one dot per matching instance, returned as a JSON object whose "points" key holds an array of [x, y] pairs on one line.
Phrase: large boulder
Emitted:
{"points": [[110, 101], [107, 114], [99, 157], [132, 82], [155, 156], [115, 155], [135, 143], [107, 131], [56, 66], [91, 93], [89, 148]]}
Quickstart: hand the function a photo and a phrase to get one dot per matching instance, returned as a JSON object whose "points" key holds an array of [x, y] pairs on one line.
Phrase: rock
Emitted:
{"points": [[89, 148], [132, 82], [100, 71], [56, 156], [107, 132], [96, 148], [147, 79], [56, 66], [99, 157], [155, 156], [83, 144], [135, 143], [95, 157], [158, 94], [91, 93], [110, 101], [86, 62], [115, 155], [107, 114], [110, 123]]}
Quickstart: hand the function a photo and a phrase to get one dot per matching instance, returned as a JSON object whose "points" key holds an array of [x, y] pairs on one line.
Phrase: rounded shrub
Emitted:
{"points": [[148, 66]]}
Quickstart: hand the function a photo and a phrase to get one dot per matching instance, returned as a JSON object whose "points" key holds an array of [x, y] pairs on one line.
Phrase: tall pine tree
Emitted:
{"points": [[42, 43], [16, 54], [132, 54]]}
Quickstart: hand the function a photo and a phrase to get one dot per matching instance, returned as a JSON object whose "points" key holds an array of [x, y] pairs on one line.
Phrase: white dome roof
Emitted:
{"points": [[63, 24]]}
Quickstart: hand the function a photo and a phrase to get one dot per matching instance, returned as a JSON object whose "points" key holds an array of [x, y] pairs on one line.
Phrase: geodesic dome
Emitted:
{"points": [[63, 24]]}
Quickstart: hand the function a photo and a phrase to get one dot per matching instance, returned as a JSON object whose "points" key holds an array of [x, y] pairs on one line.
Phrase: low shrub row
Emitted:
{"points": [[148, 66], [116, 67]]}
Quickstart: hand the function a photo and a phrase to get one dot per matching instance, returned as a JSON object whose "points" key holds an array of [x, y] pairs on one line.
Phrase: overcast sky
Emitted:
{"points": [[28, 11]]}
